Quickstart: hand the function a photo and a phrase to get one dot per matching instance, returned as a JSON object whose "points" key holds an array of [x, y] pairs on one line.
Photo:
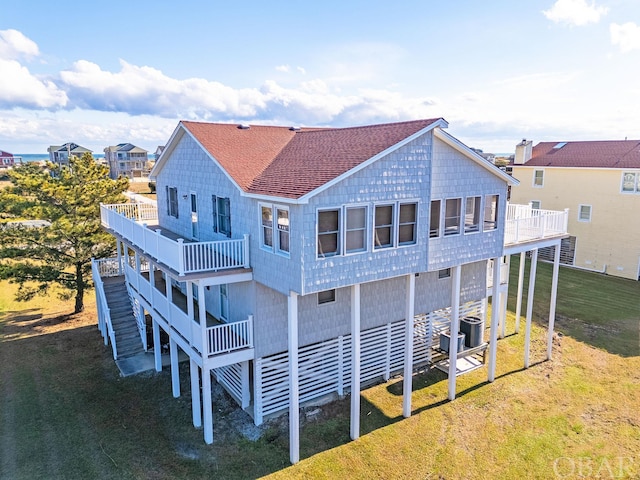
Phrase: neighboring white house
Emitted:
{"points": [[60, 153], [127, 160], [293, 263]]}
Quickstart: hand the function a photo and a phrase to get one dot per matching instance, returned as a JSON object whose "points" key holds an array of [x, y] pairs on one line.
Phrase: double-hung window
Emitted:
{"points": [[584, 213], [222, 216], [172, 201], [490, 212], [408, 218], [538, 178], [383, 229], [328, 232], [356, 229], [452, 216], [630, 182], [472, 215], [395, 225], [280, 241]]}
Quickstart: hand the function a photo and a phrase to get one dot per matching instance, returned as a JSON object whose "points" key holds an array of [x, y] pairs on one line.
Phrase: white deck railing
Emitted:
{"points": [[220, 339], [524, 223], [129, 220], [104, 314]]}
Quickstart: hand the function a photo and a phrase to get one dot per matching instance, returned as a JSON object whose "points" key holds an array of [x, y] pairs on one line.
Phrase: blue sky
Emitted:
{"points": [[102, 73]]}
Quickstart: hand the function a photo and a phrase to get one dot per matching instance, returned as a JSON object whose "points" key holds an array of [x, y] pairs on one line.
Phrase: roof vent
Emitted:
{"points": [[244, 126], [294, 129]]}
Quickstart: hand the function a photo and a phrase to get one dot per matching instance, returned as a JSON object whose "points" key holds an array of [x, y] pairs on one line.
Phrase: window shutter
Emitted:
{"points": [[215, 213]]}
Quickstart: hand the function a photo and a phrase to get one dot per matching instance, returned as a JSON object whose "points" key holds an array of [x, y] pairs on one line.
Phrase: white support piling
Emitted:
{"points": [[196, 407], [493, 331], [294, 394], [175, 371], [355, 362], [454, 329], [207, 407], [407, 380], [523, 259], [554, 295], [532, 286], [157, 347]]}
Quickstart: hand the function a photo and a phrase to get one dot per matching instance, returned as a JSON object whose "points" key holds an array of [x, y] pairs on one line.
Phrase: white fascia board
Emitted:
{"points": [[441, 123], [171, 144], [467, 152]]}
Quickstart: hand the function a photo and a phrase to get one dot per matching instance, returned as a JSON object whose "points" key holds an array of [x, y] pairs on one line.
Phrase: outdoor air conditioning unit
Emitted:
{"points": [[473, 329]]}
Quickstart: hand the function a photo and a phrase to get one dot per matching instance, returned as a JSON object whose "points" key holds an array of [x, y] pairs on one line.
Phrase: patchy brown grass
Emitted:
{"points": [[65, 413]]}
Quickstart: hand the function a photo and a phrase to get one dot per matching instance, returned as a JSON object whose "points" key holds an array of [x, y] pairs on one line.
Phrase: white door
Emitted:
{"points": [[194, 216]]}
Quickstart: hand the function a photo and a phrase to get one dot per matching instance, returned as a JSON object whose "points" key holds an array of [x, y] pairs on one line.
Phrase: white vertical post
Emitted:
{"points": [[157, 348], [207, 407], [532, 286], [294, 394], [257, 399], [407, 380], [493, 332], [454, 328], [152, 276], [196, 412], [341, 366], [554, 295], [247, 260], [119, 252], [244, 380], [175, 372], [523, 259], [202, 315], [505, 297], [355, 362], [181, 257], [169, 293]]}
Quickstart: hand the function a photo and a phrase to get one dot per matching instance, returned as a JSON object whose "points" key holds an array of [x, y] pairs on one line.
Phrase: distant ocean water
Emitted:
{"points": [[39, 157]]}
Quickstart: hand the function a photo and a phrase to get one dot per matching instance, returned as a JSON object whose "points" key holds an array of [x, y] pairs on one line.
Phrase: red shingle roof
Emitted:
{"points": [[597, 154], [279, 161]]}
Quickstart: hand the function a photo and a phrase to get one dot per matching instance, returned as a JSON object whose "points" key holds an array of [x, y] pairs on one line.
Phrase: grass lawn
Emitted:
{"points": [[66, 413]]}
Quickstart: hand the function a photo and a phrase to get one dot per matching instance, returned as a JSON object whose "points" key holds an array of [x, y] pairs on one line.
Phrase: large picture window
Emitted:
{"points": [[328, 232], [490, 212], [452, 216]]}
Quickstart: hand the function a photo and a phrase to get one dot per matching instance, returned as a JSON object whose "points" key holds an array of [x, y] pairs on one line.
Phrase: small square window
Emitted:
{"points": [[584, 214], [444, 273], [327, 296], [535, 204]]}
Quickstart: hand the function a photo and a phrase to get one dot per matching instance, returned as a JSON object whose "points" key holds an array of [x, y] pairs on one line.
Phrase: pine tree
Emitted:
{"points": [[58, 250]]}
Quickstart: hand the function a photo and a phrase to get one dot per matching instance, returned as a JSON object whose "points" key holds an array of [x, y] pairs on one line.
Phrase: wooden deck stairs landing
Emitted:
{"points": [[124, 322]]}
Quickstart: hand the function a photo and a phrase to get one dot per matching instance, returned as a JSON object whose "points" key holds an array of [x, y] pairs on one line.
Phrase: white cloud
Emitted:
{"points": [[625, 36], [14, 45], [301, 70], [19, 88], [575, 12], [283, 68]]}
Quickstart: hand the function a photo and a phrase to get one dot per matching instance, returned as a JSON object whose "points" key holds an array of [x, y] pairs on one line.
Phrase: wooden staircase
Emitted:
{"points": [[124, 322]]}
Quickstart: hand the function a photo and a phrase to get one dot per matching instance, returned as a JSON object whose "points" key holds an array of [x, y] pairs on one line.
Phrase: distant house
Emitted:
{"points": [[599, 182], [60, 154], [8, 160], [127, 160], [290, 264], [158, 152]]}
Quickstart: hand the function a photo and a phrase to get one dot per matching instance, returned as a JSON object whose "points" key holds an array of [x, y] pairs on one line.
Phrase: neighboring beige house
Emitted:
{"points": [[127, 160], [599, 182]]}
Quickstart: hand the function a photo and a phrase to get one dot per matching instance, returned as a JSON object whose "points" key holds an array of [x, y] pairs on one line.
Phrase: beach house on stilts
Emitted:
{"points": [[291, 263]]}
